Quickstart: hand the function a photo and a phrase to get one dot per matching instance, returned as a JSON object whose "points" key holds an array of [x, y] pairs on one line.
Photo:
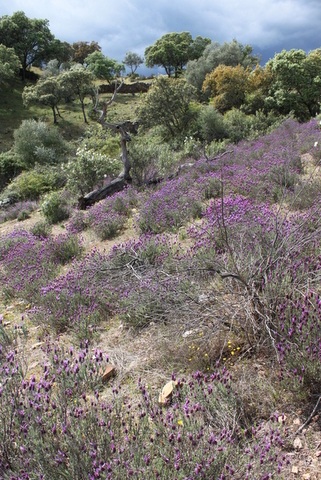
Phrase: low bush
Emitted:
{"points": [[32, 184], [14, 211], [55, 208]]}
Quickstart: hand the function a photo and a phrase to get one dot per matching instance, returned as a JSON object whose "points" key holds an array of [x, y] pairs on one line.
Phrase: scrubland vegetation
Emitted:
{"points": [[203, 270]]}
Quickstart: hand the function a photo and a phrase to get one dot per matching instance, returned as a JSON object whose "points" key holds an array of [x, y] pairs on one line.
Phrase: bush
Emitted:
{"points": [[23, 215], [54, 208], [89, 170], [35, 142], [41, 229], [10, 167], [211, 125], [30, 185], [151, 157], [237, 125]]}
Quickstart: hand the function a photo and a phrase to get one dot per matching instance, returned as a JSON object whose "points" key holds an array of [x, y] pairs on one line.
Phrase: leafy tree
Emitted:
{"points": [[228, 86], [133, 60], [79, 82], [229, 53], [52, 69], [168, 105], [83, 49], [173, 50], [30, 38], [296, 84], [47, 91], [103, 67], [60, 51], [9, 64]]}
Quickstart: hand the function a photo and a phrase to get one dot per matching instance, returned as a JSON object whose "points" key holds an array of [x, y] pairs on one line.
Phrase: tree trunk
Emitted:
{"points": [[54, 114], [83, 111], [91, 198]]}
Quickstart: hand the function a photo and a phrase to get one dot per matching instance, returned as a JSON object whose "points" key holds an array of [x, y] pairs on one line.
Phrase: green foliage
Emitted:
{"points": [[173, 50], [30, 185], [151, 157], [168, 105], [23, 215], [41, 229], [35, 142], [30, 38], [296, 83], [102, 67], [54, 207], [10, 167], [229, 53], [89, 170], [9, 64], [237, 125], [47, 91], [78, 82], [133, 60], [101, 140], [211, 126]]}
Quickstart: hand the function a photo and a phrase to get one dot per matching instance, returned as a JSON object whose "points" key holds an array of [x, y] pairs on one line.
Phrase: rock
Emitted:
{"points": [[318, 454], [109, 372], [306, 476], [296, 421], [282, 418], [36, 345], [166, 394], [295, 470], [297, 443]]}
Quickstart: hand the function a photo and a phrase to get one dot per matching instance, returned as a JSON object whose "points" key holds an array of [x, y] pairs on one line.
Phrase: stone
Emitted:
{"points": [[109, 372], [306, 476], [295, 470], [36, 345], [296, 421], [167, 391], [282, 418], [297, 443]]}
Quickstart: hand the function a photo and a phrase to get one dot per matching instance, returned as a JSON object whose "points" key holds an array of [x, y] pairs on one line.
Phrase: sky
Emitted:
{"points": [[120, 26]]}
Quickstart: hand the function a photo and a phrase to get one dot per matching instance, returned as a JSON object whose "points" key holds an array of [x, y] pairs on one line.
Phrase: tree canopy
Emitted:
{"points": [[229, 53], [133, 60], [78, 82], [173, 50], [102, 67], [46, 92], [167, 104], [296, 83], [30, 38], [9, 64]]}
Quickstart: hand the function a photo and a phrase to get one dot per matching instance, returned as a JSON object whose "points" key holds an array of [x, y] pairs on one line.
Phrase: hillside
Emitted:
{"points": [[210, 279]]}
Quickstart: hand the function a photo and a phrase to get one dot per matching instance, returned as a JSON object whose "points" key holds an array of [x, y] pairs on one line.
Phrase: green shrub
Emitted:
{"points": [[10, 167], [41, 229], [89, 169], [101, 141], [210, 124], [54, 207], [237, 125], [30, 185], [35, 142], [151, 157], [23, 215]]}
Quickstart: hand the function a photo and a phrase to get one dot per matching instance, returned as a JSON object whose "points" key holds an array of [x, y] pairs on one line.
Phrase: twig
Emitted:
{"points": [[309, 419]]}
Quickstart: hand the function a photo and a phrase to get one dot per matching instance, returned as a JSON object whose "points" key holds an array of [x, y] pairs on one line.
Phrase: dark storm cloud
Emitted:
{"points": [[268, 25]]}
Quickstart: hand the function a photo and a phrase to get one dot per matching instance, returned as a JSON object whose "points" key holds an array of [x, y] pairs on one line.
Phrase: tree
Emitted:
{"points": [[47, 92], [229, 53], [79, 82], [81, 50], [228, 86], [30, 38], [168, 104], [133, 60], [296, 83], [173, 50], [102, 67], [9, 64], [60, 51]]}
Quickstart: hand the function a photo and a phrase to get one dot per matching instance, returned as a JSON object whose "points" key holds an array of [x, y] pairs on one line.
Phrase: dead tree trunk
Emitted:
{"points": [[124, 177]]}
